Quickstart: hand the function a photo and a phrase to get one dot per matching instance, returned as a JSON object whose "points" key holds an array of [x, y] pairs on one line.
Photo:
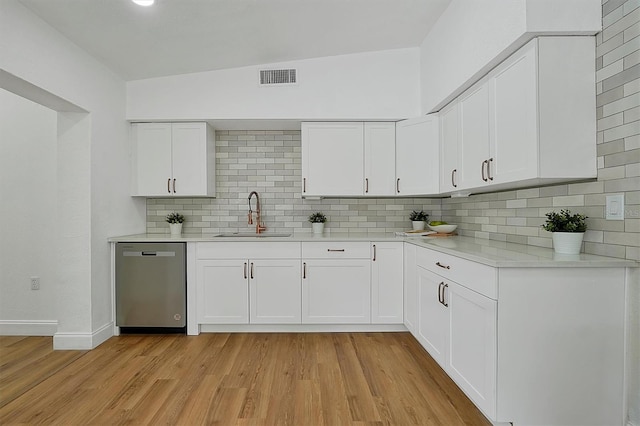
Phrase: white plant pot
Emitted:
{"points": [[418, 225], [567, 242], [318, 228], [176, 229]]}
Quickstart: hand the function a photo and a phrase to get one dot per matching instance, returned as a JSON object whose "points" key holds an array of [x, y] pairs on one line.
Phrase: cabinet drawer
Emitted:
{"points": [[475, 276], [247, 250], [336, 250]]}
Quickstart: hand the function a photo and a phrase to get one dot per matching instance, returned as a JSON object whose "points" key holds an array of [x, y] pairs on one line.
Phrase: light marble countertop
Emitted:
{"points": [[488, 252]]}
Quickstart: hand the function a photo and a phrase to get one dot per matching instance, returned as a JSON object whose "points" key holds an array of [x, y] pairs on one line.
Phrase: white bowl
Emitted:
{"points": [[443, 229]]}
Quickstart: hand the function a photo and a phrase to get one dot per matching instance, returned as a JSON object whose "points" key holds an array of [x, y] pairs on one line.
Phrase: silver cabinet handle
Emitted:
{"points": [[374, 252], [398, 185], [489, 161], [304, 184], [444, 302], [174, 186], [443, 266], [484, 178], [304, 271], [245, 270], [440, 296], [453, 179], [169, 185], [340, 250], [366, 185], [251, 270]]}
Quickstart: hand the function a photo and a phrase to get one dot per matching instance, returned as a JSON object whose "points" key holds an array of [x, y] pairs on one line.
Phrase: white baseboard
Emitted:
{"points": [[28, 328], [82, 341]]}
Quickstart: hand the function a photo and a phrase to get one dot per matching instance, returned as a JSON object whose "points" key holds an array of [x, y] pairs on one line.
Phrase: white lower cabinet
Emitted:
{"points": [[274, 292], [386, 283], [471, 350], [336, 291], [223, 292], [410, 288], [262, 288], [336, 283], [528, 345], [433, 326], [457, 327]]}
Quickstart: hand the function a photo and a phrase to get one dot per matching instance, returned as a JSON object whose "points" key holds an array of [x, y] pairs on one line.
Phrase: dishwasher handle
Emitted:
{"points": [[149, 253]]}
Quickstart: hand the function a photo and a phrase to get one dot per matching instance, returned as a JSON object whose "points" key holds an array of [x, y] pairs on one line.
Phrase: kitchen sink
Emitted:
{"points": [[251, 235]]}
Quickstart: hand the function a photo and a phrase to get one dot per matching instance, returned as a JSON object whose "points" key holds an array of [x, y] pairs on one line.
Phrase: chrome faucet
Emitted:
{"points": [[259, 225]]}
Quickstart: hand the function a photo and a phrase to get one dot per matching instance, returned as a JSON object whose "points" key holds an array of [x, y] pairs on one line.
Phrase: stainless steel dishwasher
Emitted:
{"points": [[151, 287]]}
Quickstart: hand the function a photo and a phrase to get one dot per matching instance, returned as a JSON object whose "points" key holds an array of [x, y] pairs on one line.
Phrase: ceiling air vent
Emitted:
{"points": [[273, 77]]}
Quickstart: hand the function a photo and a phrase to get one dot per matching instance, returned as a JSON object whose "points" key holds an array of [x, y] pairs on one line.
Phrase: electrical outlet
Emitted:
{"points": [[35, 283]]}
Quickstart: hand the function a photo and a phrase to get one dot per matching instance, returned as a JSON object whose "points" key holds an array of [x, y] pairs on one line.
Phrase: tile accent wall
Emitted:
{"points": [[270, 162], [516, 216]]}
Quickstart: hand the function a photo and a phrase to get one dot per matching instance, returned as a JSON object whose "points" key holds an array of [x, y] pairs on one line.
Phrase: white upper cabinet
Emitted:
{"points": [[450, 170], [417, 156], [379, 158], [348, 159], [332, 159], [173, 159], [520, 124], [474, 136]]}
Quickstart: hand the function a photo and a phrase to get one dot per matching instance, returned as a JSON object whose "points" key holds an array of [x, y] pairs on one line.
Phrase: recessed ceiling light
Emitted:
{"points": [[143, 2]]}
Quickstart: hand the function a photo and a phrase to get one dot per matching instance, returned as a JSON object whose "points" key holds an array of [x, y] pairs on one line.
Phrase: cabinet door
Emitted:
{"points": [[151, 159], [386, 283], [188, 150], [275, 291], [379, 158], [450, 171], [332, 159], [410, 289], [336, 291], [514, 138], [417, 156], [471, 359], [474, 137], [223, 293], [433, 321]]}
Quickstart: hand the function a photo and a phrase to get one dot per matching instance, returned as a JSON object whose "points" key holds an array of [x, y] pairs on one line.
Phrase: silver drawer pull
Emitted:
{"points": [[335, 249], [443, 266]]}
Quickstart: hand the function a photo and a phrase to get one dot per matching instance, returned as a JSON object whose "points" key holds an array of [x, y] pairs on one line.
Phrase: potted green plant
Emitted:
{"points": [[418, 219], [567, 231], [175, 221], [317, 220]]}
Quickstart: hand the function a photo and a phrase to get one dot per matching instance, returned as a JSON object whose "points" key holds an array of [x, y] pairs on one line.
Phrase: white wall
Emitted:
{"points": [[471, 37], [374, 85], [28, 211], [93, 167]]}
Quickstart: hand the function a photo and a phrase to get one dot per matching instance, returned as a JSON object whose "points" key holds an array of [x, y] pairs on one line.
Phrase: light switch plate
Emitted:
{"points": [[615, 207]]}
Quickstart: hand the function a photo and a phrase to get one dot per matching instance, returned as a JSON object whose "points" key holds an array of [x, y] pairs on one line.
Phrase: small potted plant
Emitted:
{"points": [[567, 231], [418, 219], [317, 220], [175, 221]]}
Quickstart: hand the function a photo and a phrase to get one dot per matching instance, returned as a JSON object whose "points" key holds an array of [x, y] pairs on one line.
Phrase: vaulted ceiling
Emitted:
{"points": [[185, 36]]}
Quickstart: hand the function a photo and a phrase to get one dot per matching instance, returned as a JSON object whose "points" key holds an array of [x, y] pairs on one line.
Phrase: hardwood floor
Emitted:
{"points": [[231, 379]]}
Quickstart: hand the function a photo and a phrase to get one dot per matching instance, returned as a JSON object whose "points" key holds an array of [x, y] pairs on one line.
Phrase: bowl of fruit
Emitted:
{"points": [[441, 227]]}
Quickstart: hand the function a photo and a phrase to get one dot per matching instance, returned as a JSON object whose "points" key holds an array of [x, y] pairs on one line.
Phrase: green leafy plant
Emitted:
{"points": [[565, 222], [317, 217], [418, 216], [175, 218]]}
